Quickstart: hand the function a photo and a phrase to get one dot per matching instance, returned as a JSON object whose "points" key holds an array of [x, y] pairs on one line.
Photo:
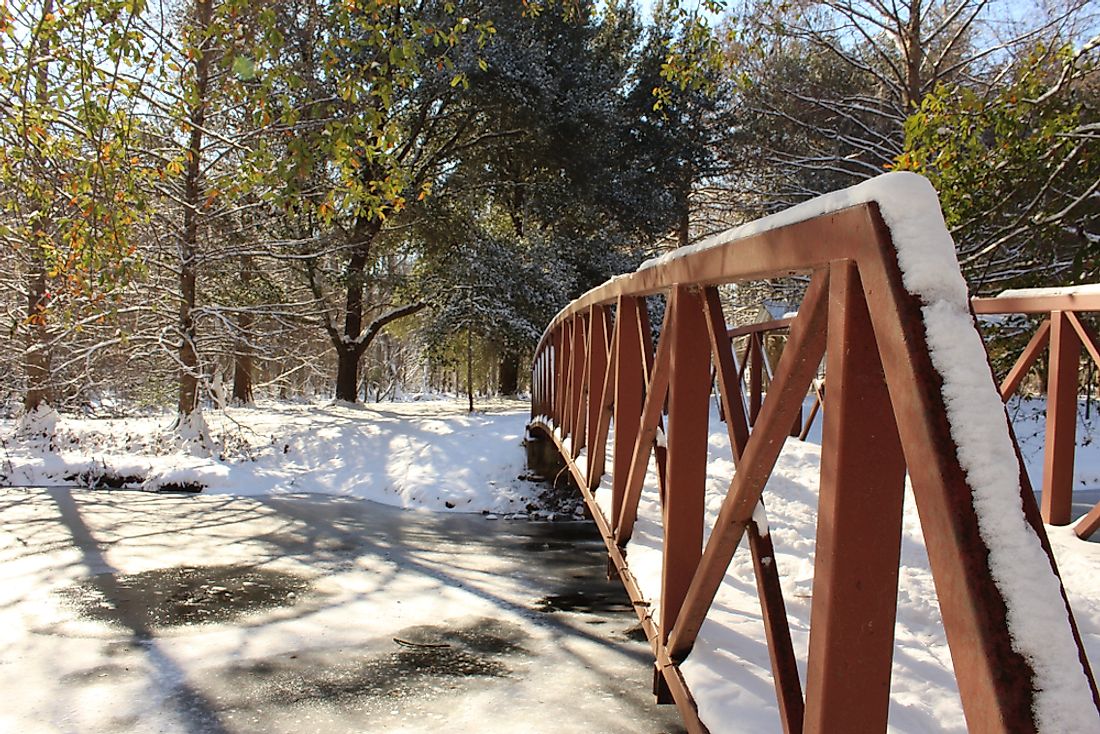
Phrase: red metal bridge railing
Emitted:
{"points": [[597, 367], [1064, 335]]}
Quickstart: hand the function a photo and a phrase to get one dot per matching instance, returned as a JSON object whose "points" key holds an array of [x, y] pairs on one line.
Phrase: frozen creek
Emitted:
{"points": [[133, 612]]}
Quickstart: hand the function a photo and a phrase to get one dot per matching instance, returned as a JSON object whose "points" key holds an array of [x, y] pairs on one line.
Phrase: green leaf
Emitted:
{"points": [[244, 67]]}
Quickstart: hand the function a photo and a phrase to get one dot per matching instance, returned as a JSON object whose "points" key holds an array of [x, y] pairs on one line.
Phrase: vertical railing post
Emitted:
{"points": [[756, 377], [580, 388], [565, 375], [536, 385], [573, 380], [858, 529], [688, 409], [543, 364], [628, 395], [547, 394], [1061, 435], [546, 378], [551, 377], [597, 373]]}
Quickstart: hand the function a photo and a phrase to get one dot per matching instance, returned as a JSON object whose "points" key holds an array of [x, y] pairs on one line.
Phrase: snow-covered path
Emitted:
{"points": [[363, 618]]}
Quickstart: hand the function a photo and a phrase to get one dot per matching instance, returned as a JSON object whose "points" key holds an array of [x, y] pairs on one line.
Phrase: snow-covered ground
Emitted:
{"points": [[427, 455], [433, 456]]}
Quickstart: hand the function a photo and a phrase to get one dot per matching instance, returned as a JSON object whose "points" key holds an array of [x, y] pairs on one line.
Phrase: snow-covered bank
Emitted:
{"points": [[417, 455]]}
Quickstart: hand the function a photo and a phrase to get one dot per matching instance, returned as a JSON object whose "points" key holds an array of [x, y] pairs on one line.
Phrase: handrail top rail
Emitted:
{"points": [[1041, 300], [761, 326]]}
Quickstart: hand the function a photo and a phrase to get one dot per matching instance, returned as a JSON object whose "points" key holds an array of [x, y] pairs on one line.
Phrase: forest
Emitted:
{"points": [[206, 201]]}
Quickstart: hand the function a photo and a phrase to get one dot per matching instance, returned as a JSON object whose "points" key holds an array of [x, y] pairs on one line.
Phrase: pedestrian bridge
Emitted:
{"points": [[910, 393]]}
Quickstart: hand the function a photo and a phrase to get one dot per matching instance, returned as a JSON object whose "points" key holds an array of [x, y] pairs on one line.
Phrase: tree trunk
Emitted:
{"points": [[188, 356], [242, 369], [37, 356], [347, 375], [914, 58], [242, 354], [470, 368], [347, 350], [509, 373], [192, 200]]}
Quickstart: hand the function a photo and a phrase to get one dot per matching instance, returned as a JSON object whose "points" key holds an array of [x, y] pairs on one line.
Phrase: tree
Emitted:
{"points": [[190, 95], [566, 187], [365, 104], [212, 187], [827, 85], [72, 186], [678, 103], [200, 45], [482, 282], [1018, 168]]}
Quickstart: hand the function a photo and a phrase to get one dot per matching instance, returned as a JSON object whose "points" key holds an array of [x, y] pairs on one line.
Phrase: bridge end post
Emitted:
{"points": [[543, 458]]}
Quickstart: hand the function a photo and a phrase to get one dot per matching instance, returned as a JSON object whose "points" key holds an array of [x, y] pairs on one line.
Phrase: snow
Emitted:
{"points": [[1091, 289], [760, 517], [428, 455], [37, 426], [192, 434]]}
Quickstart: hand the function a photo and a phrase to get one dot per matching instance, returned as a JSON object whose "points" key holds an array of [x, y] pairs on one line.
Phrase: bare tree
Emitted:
{"points": [[828, 85]]}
